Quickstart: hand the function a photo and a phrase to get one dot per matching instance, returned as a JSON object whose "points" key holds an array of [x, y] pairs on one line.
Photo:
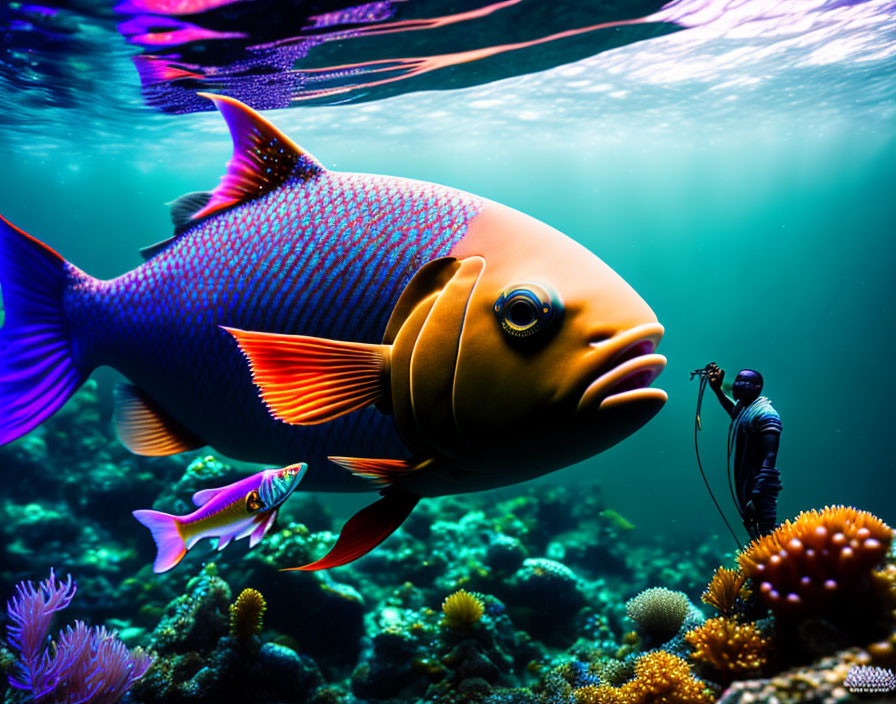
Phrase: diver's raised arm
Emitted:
{"points": [[715, 375]]}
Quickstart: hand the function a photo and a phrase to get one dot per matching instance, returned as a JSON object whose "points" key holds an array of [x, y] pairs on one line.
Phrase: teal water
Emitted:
{"points": [[738, 174], [766, 249], [734, 161]]}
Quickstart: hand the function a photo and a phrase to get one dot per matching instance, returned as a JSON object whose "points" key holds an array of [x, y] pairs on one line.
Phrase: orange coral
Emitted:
{"points": [[730, 648], [660, 678], [818, 558], [724, 589]]}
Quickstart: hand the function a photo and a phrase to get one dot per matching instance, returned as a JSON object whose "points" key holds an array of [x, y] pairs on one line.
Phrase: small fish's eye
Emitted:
{"points": [[253, 502], [524, 310]]}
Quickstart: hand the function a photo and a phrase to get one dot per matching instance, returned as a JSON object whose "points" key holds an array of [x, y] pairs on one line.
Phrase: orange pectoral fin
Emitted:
{"points": [[145, 429], [380, 472], [309, 380], [365, 530]]}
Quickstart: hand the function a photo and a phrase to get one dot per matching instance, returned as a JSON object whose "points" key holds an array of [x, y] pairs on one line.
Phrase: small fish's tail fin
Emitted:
{"points": [[166, 532], [38, 371]]}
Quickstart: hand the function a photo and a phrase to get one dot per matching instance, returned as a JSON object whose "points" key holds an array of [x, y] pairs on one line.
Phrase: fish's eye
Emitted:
{"points": [[528, 309], [253, 502]]}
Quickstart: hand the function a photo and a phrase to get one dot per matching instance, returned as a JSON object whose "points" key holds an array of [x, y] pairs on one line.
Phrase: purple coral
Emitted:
{"points": [[870, 680], [87, 665], [30, 612]]}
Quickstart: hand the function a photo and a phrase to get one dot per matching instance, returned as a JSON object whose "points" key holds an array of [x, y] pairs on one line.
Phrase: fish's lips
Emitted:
{"points": [[626, 384]]}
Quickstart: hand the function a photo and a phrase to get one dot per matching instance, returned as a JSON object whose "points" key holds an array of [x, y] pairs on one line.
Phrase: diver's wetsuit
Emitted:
{"points": [[754, 433]]}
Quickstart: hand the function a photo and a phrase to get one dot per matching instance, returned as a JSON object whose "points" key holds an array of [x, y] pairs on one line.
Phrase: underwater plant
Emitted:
{"points": [[247, 614], [819, 558], [659, 612], [462, 610], [724, 589], [731, 649], [30, 613], [85, 665]]}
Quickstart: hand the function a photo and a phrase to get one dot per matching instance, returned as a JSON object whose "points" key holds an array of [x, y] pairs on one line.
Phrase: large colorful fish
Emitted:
{"points": [[393, 334], [245, 509]]}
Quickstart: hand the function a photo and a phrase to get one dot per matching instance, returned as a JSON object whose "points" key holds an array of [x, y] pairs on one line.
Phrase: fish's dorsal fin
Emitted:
{"points": [[145, 429], [203, 496], [263, 158], [182, 211], [184, 208], [152, 250]]}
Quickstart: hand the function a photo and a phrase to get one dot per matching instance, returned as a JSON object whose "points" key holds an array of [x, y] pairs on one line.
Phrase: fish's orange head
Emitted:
{"points": [[533, 355]]}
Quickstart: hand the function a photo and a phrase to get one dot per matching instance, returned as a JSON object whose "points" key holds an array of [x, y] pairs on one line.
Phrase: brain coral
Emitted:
{"points": [[818, 559], [730, 648], [659, 612]]}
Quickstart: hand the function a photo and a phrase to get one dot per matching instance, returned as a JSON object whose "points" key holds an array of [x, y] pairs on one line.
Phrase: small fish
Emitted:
{"points": [[398, 336], [247, 507]]}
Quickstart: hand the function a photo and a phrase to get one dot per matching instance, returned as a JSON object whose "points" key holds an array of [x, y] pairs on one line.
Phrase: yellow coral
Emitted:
{"points": [[587, 695], [246, 614], [660, 678], [462, 610], [730, 648], [724, 589]]}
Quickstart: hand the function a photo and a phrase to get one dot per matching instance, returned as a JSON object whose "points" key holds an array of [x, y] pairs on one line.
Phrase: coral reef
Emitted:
{"points": [[246, 614], [724, 590], [87, 665], [659, 612], [818, 561], [660, 678], [731, 649], [462, 610], [819, 683], [863, 679]]}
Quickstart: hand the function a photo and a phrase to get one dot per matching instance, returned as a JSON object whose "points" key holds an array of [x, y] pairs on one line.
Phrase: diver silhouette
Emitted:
{"points": [[753, 436]]}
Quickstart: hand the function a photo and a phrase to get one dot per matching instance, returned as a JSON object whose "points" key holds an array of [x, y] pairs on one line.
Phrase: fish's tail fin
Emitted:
{"points": [[165, 530], [38, 371]]}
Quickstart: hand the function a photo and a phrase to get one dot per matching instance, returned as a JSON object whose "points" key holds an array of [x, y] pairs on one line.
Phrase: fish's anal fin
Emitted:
{"points": [[263, 157], [382, 473], [310, 380], [365, 530], [145, 429], [262, 529], [224, 541]]}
